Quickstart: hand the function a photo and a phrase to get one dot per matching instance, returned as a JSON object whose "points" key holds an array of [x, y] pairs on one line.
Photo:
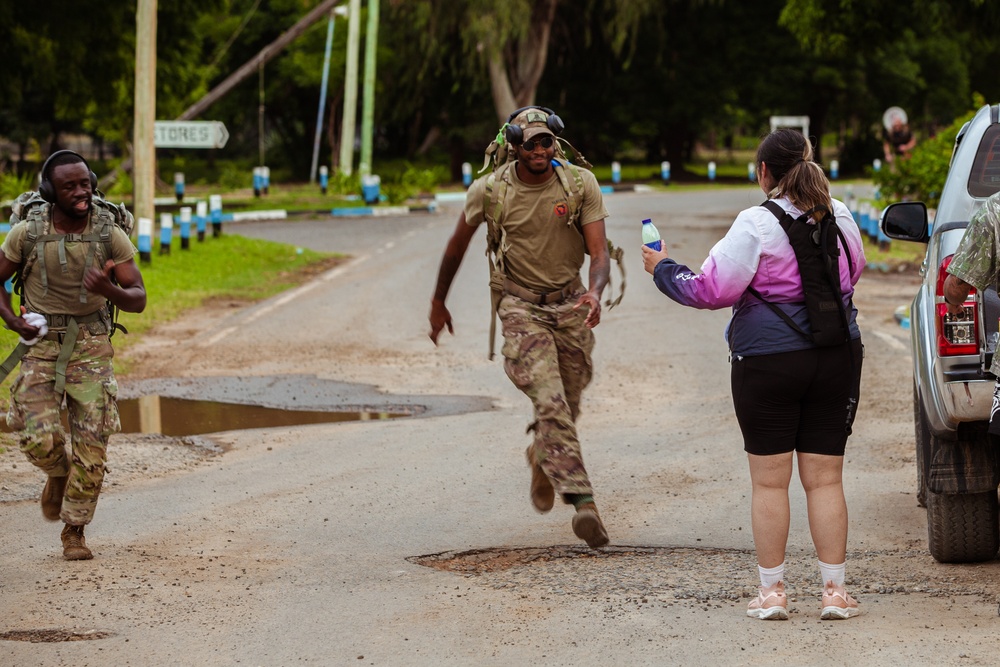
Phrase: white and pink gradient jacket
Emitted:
{"points": [[755, 252]]}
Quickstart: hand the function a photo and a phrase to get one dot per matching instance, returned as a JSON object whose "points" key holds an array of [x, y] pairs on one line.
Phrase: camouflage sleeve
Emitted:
{"points": [[975, 260], [593, 201], [474, 204]]}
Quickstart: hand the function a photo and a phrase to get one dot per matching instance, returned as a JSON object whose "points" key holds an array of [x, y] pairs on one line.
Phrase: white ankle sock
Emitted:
{"points": [[834, 573], [769, 576]]}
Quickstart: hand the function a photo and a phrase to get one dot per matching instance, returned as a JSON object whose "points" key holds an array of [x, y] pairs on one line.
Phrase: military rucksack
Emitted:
{"points": [[495, 194], [818, 258]]}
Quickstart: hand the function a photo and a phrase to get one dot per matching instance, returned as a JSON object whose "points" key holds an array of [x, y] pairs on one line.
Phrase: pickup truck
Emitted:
{"points": [[956, 459]]}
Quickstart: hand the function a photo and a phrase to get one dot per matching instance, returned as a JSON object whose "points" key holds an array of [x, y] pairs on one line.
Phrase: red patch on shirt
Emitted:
{"points": [[561, 209]]}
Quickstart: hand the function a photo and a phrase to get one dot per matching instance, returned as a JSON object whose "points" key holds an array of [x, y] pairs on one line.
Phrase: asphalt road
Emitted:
{"points": [[412, 541]]}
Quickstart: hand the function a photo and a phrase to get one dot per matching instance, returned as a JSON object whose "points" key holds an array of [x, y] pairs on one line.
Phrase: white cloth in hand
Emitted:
{"points": [[35, 320]]}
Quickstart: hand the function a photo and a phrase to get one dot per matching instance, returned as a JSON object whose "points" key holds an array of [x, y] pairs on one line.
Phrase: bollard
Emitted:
{"points": [[324, 179], [258, 181], [166, 232], [466, 174], [179, 185], [864, 223], [834, 169], [751, 171], [370, 189], [876, 165], [265, 175], [616, 173], [200, 218], [145, 240], [878, 193], [185, 227], [665, 171], [711, 171], [883, 241], [215, 206]]}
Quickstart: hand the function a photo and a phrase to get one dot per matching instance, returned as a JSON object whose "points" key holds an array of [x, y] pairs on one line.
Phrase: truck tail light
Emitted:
{"points": [[956, 335]]}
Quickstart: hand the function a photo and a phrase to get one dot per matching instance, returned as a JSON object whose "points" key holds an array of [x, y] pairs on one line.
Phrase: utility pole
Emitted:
{"points": [[143, 150], [350, 88], [368, 103]]}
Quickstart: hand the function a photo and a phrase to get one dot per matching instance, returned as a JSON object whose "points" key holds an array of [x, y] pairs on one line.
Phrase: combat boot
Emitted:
{"points": [[543, 496], [74, 545], [588, 526], [52, 497]]}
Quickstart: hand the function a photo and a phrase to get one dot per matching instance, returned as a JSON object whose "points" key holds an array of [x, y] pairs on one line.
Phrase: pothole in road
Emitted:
{"points": [[53, 635], [702, 573]]}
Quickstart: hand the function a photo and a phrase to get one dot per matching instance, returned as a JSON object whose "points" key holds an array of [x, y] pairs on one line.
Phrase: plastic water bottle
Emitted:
{"points": [[650, 235]]}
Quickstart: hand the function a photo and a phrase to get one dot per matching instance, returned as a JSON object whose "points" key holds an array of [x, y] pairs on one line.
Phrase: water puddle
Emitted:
{"points": [[183, 417]]}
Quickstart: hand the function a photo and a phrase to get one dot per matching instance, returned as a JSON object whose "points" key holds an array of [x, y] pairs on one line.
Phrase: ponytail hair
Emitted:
{"points": [[788, 155]]}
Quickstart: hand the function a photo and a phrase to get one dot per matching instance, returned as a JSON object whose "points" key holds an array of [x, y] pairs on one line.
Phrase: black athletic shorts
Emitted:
{"points": [[801, 401]]}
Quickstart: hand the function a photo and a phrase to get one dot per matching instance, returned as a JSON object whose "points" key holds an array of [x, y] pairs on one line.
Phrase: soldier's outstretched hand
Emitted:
{"points": [[440, 318]]}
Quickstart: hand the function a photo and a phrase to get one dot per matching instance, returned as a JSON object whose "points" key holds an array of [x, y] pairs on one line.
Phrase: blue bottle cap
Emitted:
{"points": [[647, 220]]}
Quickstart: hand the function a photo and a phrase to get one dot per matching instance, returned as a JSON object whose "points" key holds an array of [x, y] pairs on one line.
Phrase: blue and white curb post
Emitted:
{"points": [[215, 206], [466, 174], [145, 240], [711, 171], [616, 172], [324, 179], [166, 232], [834, 169], [179, 185], [370, 188], [201, 218], [665, 171], [185, 222], [751, 172], [876, 165], [258, 181]]}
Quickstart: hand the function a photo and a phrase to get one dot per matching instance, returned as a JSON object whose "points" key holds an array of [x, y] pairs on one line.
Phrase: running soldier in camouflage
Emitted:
{"points": [[65, 329], [538, 234]]}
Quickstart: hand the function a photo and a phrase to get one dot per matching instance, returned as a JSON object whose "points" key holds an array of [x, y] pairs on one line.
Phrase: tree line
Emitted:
{"points": [[643, 80]]}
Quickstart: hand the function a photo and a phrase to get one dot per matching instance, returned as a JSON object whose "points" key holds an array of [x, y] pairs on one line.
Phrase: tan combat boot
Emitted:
{"points": [[588, 526], [52, 497], [74, 546], [543, 496]]}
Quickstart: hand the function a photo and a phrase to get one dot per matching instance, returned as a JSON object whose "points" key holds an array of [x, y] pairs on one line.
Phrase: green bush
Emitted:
{"points": [[11, 185]]}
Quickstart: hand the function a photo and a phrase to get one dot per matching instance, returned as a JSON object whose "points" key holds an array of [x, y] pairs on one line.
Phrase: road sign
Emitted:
{"points": [[189, 134]]}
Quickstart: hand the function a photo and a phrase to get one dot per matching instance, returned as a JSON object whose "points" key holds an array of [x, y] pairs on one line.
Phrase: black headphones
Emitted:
{"points": [[47, 190], [515, 135]]}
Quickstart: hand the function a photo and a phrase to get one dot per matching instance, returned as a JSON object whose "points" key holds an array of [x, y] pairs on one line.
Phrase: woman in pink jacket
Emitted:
{"points": [[793, 398]]}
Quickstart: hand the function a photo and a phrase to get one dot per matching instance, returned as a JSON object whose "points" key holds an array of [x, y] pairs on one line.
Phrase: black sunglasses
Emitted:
{"points": [[546, 142]]}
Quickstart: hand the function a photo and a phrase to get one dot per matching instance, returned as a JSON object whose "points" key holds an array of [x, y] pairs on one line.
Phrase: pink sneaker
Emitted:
{"points": [[770, 604], [837, 604]]}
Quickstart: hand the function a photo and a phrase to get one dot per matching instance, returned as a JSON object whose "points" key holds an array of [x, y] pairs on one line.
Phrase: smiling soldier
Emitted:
{"points": [[74, 263]]}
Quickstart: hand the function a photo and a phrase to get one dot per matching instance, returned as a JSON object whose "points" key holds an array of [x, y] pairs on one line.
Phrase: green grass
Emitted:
{"points": [[230, 266]]}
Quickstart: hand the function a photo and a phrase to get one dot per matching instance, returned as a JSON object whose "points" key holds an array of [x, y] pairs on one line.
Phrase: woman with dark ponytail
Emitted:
{"points": [[794, 399]]}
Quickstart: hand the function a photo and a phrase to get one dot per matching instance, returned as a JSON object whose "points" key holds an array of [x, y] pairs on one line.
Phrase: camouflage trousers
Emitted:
{"points": [[92, 411], [547, 356]]}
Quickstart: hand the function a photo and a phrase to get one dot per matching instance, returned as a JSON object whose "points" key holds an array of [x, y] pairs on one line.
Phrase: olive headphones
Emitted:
{"points": [[48, 191], [515, 135]]}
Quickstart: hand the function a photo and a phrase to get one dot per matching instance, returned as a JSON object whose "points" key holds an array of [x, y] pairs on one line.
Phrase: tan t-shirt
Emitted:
{"points": [[546, 250], [63, 295]]}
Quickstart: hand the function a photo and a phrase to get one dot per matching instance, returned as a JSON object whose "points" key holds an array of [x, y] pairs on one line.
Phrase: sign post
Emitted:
{"points": [[190, 134]]}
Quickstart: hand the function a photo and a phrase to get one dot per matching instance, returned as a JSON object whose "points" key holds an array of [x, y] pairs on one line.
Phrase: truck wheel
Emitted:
{"points": [[962, 528], [923, 445]]}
